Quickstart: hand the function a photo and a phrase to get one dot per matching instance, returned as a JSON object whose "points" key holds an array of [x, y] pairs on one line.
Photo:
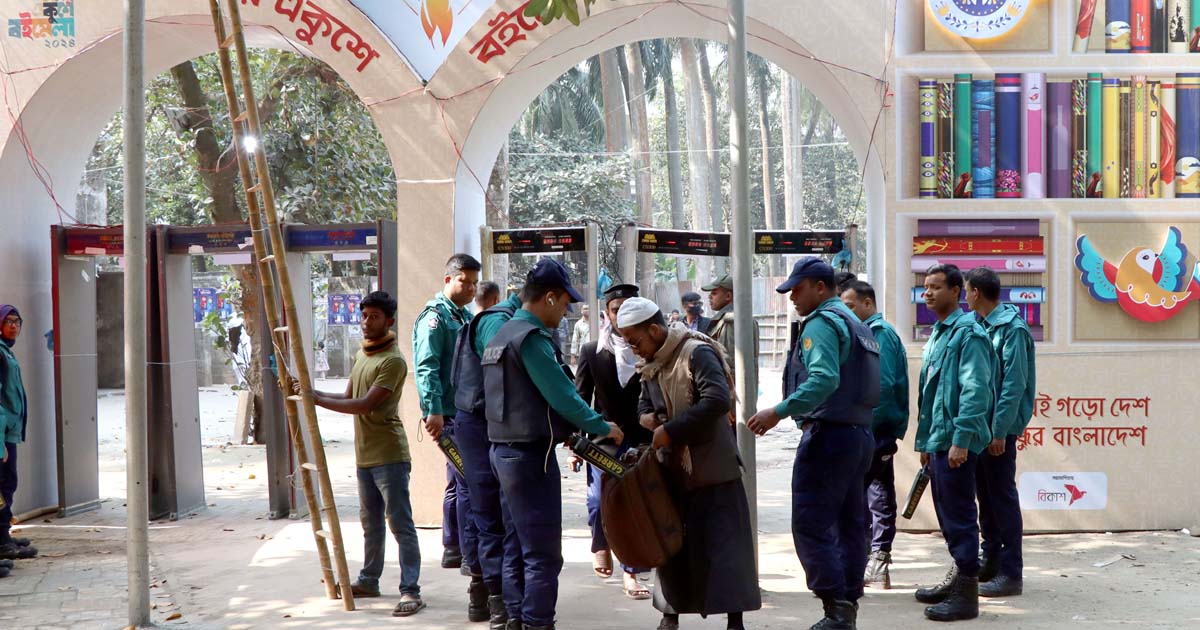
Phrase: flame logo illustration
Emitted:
{"points": [[436, 16]]}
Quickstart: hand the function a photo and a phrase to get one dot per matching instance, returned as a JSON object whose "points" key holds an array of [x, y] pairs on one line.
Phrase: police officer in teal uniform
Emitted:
{"points": [[434, 335], [531, 405], [888, 424], [504, 582], [996, 480], [832, 389], [953, 428]]}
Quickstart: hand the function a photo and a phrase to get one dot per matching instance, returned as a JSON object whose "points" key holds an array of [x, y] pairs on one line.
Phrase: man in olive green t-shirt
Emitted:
{"points": [[381, 453]]}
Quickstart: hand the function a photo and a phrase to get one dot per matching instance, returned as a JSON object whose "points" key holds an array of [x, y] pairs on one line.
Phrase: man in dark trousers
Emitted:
{"points": [[434, 336], [504, 582], [13, 421], [996, 479], [834, 387], [693, 312], [686, 399], [889, 422], [531, 406], [953, 428], [606, 376]]}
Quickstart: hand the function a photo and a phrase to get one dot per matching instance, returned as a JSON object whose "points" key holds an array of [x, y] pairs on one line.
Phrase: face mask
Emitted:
{"points": [[695, 310]]}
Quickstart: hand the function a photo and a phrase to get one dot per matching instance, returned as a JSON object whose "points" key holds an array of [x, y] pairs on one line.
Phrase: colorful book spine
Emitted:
{"points": [[978, 227], [999, 264], [945, 139], [1033, 141], [1153, 135], [983, 136], [1187, 132], [927, 95], [978, 245], [1110, 183], [1095, 126], [1083, 25], [1079, 177], [1116, 29], [1139, 102], [1158, 26], [1194, 32], [1179, 25], [1008, 135], [1058, 135], [1031, 313], [1126, 118], [1139, 11], [962, 135], [1166, 160], [1012, 295]]}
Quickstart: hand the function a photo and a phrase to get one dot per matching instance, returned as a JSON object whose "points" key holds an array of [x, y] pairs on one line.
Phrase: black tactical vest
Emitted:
{"points": [[467, 373], [854, 401], [515, 409]]}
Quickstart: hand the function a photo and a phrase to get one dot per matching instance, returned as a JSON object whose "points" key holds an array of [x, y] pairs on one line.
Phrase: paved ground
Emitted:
{"points": [[230, 567]]}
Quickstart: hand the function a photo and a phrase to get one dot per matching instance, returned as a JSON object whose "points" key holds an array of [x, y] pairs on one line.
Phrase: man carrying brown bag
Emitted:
{"points": [[686, 401]]}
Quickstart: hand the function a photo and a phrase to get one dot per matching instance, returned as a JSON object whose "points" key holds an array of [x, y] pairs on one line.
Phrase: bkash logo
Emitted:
{"points": [[1076, 493]]}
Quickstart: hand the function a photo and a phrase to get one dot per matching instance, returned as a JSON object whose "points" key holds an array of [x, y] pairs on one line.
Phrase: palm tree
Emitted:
{"points": [[698, 164], [713, 142], [641, 135], [760, 72]]}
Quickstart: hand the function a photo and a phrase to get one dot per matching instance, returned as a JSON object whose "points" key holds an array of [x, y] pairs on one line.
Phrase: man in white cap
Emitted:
{"points": [[686, 400]]}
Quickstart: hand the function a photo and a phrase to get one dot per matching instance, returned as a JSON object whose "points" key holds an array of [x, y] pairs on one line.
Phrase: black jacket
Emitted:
{"points": [[597, 383]]}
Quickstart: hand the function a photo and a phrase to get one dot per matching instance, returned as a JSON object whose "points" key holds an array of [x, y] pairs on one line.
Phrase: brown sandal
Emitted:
{"points": [[409, 605], [638, 591], [602, 564]]}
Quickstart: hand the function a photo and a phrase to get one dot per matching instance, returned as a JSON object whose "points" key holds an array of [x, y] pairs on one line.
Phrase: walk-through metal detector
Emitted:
{"points": [[549, 240], [176, 464]]}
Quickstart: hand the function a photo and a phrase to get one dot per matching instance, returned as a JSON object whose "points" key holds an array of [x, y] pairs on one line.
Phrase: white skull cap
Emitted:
{"points": [[634, 311]]}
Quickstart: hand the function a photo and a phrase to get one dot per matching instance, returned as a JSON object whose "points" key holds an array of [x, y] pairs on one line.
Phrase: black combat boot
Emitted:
{"points": [[1001, 586], [451, 558], [477, 600], [498, 614], [989, 566], [936, 594], [13, 551], [877, 570], [839, 615], [549, 627], [514, 624], [962, 602]]}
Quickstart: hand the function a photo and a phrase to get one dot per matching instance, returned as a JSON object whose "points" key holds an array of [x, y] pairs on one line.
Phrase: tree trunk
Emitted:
{"points": [[674, 168], [713, 140], [795, 138], [616, 133], [641, 159], [774, 263], [698, 166], [497, 213]]}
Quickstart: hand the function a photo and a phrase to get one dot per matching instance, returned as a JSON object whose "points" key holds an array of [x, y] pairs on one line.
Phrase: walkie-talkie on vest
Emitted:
{"points": [[450, 450], [594, 455], [916, 492]]}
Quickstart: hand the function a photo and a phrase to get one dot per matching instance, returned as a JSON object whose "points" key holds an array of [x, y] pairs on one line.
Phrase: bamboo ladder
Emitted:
{"points": [[245, 123]]}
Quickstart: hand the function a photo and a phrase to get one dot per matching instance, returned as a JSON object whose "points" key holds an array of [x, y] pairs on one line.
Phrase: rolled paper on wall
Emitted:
{"points": [[983, 134], [1126, 118], [1079, 178], [945, 139], [999, 264], [1083, 25], [1139, 11], [1012, 295], [978, 245], [1153, 138], [1111, 98], [1008, 135], [1158, 26], [1166, 160], [1187, 132], [1116, 26], [1059, 139], [1033, 140], [1095, 142], [1179, 25], [978, 227], [962, 135], [1139, 102], [927, 165]]}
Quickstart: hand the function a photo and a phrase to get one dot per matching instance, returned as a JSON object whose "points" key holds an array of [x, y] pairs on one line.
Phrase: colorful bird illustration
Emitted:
{"points": [[437, 16], [1076, 493], [1151, 287]]}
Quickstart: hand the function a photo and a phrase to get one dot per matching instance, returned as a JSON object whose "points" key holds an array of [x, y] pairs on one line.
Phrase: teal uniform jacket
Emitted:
{"points": [[891, 416], [12, 398], [824, 347], [490, 325], [1016, 383], [540, 359], [958, 372], [434, 335]]}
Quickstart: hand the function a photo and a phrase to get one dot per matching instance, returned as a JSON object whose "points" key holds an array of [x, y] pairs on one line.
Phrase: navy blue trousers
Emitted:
{"points": [[881, 495], [1000, 508], [470, 434], [954, 502], [458, 529], [829, 526], [531, 492], [8, 487]]}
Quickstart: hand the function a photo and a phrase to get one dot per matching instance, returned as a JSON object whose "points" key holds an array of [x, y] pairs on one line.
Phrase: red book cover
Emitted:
{"points": [[978, 245], [1140, 13]]}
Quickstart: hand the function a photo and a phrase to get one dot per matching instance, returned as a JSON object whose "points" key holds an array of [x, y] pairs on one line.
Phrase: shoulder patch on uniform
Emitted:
{"points": [[808, 344]]}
